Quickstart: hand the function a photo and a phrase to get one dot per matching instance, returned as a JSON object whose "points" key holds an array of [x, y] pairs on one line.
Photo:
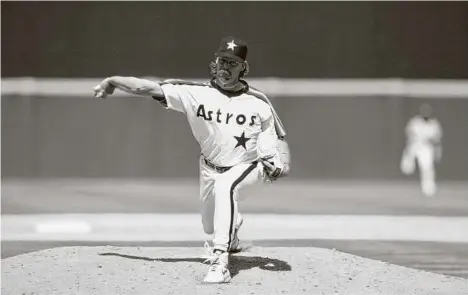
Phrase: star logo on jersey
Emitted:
{"points": [[231, 45], [241, 140]]}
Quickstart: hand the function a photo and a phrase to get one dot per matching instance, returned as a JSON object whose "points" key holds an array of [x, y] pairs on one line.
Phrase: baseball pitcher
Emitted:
{"points": [[424, 135], [242, 140]]}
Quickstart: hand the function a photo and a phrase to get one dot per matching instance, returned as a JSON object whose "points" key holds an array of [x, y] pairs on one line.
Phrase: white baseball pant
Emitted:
{"points": [[424, 156], [219, 194]]}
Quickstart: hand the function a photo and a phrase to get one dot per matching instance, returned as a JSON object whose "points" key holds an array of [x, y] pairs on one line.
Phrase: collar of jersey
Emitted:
{"points": [[231, 93]]}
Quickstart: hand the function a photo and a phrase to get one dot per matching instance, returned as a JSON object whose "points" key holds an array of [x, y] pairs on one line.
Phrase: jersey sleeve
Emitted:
{"points": [[268, 140], [179, 97], [267, 119], [281, 132]]}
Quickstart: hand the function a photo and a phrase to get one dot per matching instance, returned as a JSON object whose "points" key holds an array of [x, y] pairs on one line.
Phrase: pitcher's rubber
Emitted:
{"points": [[154, 270]]}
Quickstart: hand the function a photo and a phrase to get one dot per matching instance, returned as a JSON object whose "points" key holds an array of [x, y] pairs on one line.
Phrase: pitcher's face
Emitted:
{"points": [[228, 72]]}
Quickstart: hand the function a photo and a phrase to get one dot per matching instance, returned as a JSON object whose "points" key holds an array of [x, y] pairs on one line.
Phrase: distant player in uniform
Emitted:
{"points": [[241, 138], [424, 146]]}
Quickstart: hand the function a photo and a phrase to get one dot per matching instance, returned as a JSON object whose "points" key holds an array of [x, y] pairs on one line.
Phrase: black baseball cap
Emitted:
{"points": [[233, 48]]}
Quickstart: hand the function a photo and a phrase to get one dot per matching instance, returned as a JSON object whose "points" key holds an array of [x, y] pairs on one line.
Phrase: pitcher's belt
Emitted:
{"points": [[216, 168]]}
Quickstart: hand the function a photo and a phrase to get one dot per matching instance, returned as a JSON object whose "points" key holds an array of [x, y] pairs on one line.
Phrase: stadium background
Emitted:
{"points": [[69, 159], [331, 137]]}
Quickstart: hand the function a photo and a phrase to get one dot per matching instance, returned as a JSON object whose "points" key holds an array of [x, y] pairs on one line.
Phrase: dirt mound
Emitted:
{"points": [[154, 270]]}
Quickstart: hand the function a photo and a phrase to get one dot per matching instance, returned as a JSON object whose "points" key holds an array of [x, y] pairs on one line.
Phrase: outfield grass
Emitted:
{"points": [[20, 196]]}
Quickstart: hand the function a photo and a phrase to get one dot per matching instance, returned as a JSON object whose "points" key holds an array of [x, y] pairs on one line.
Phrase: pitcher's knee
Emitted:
{"points": [[208, 227], [208, 230]]}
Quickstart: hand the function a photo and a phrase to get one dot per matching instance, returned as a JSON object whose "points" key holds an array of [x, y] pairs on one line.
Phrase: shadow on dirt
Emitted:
{"points": [[237, 263]]}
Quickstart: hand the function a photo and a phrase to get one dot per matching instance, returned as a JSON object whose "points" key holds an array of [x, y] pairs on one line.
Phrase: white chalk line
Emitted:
{"points": [[188, 227]]}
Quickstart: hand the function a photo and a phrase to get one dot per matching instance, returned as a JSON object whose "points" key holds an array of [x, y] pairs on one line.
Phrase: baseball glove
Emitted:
{"points": [[275, 158]]}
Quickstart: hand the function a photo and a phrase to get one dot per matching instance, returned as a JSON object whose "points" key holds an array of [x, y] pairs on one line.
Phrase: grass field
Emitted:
{"points": [[23, 196]]}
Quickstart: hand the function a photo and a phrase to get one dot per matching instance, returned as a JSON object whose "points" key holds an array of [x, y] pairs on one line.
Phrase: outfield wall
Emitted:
{"points": [[336, 129], [288, 39]]}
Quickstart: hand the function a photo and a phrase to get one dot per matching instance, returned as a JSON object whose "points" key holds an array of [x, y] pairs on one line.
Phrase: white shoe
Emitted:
{"points": [[235, 244], [218, 272], [429, 190]]}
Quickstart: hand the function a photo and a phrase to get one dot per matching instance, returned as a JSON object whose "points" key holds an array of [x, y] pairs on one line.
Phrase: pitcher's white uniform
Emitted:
{"points": [[241, 137], [422, 135], [226, 126]]}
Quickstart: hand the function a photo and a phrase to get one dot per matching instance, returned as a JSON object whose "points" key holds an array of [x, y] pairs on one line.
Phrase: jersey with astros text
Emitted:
{"points": [[226, 125]]}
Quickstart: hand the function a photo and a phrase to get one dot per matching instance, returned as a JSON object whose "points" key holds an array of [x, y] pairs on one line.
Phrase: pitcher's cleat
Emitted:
{"points": [[218, 272]]}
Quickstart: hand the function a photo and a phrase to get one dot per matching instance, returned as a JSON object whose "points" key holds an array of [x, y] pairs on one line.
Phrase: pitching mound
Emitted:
{"points": [[134, 270]]}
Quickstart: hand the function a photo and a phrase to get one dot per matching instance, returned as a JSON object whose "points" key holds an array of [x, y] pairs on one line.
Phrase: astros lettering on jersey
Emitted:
{"points": [[225, 124]]}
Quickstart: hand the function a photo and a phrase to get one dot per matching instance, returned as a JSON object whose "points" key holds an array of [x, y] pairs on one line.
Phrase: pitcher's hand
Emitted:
{"points": [[273, 168], [103, 89]]}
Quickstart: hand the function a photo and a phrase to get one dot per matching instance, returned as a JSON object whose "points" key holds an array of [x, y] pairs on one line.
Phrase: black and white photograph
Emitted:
{"points": [[234, 147]]}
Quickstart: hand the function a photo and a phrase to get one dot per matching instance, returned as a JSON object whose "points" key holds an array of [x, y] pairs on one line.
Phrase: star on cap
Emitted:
{"points": [[231, 45]]}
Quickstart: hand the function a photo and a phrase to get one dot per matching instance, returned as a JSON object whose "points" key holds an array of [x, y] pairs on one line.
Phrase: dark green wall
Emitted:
{"points": [[288, 39], [330, 137]]}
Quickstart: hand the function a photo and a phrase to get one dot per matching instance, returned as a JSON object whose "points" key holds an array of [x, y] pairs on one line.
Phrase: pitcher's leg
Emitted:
{"points": [[207, 213], [225, 213], [207, 199], [226, 189]]}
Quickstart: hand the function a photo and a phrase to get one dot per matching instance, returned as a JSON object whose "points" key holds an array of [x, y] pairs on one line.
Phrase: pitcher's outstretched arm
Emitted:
{"points": [[132, 85]]}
